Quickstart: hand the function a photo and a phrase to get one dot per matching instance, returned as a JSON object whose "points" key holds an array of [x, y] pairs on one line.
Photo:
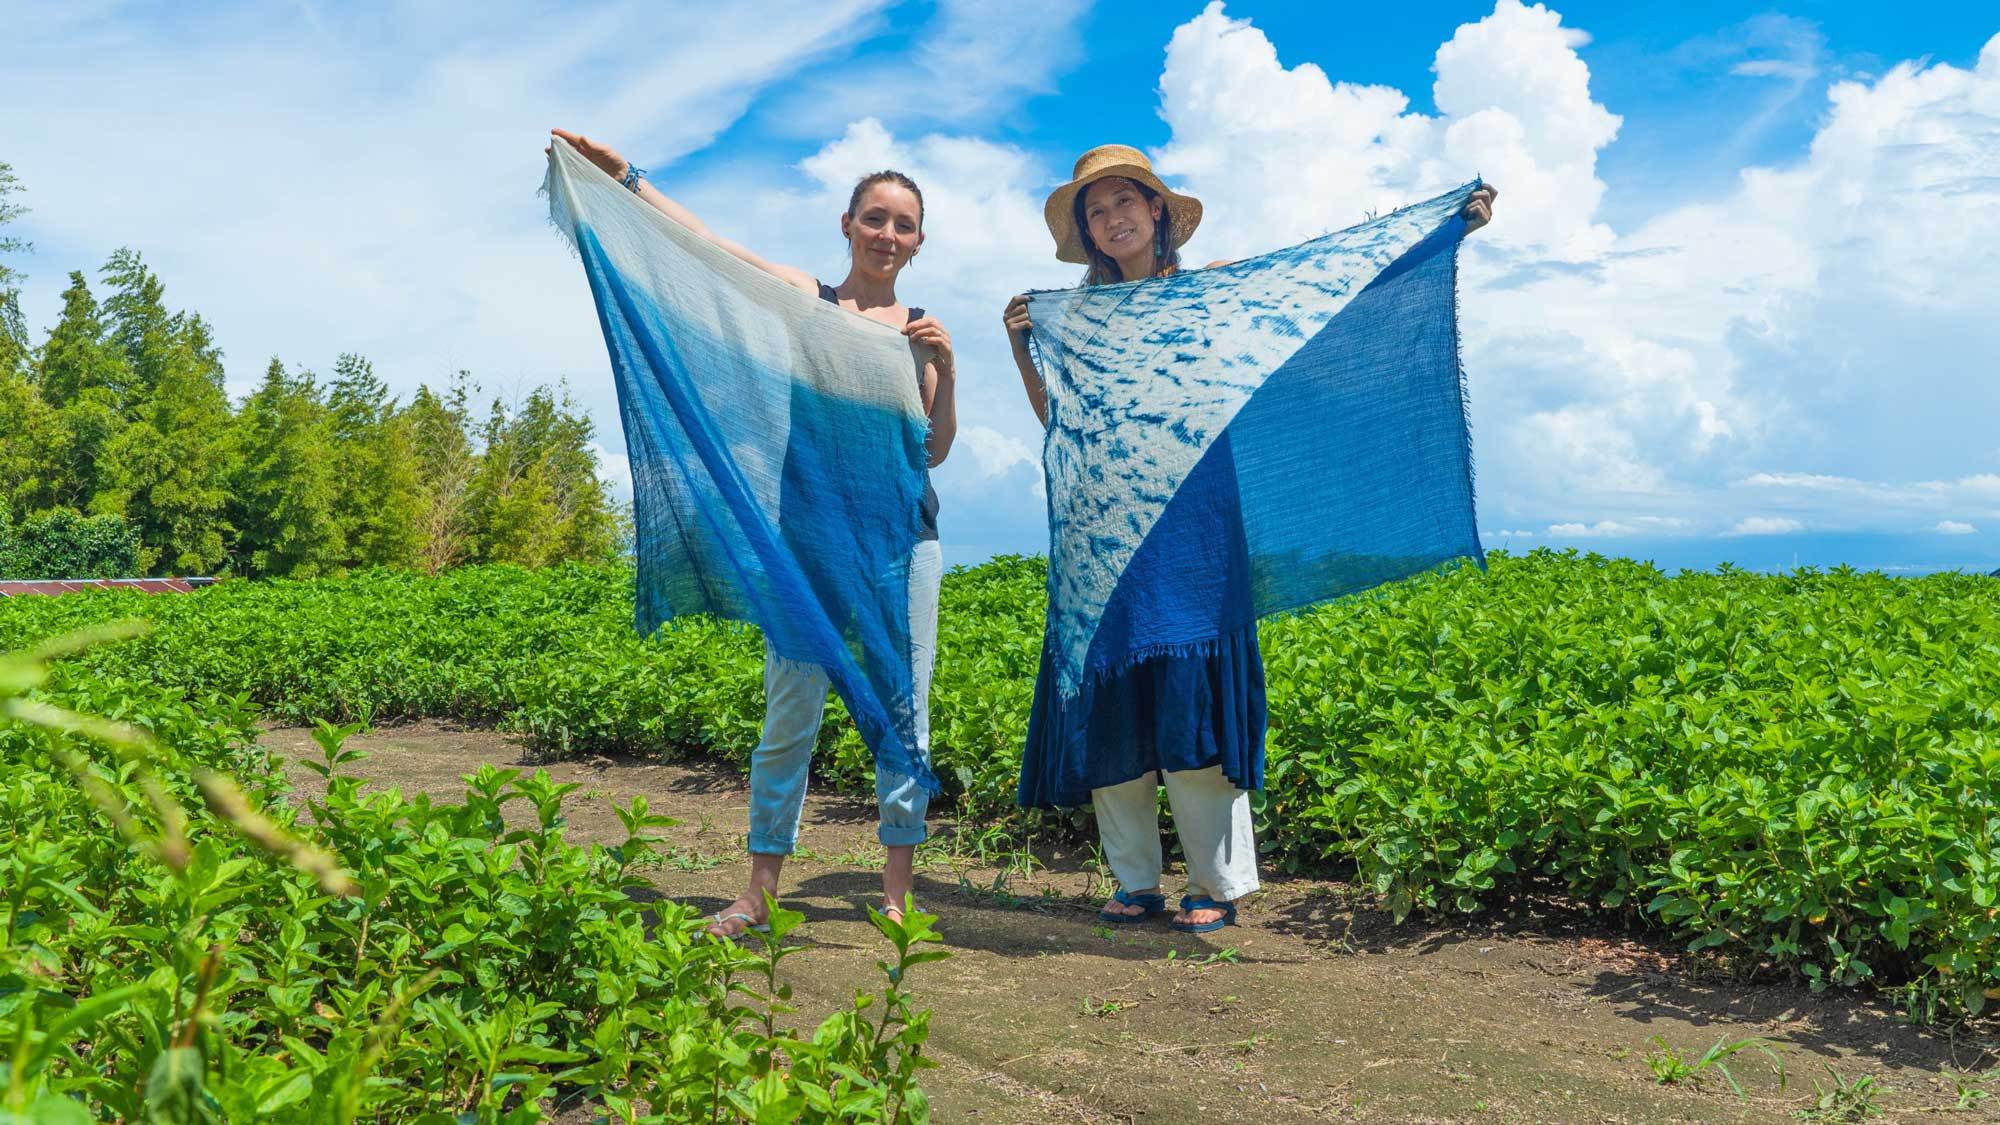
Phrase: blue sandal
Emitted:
{"points": [[1148, 901], [1191, 903]]}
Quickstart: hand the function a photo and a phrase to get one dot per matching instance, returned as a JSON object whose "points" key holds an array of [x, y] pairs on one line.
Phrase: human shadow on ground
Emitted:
{"points": [[1009, 925], [1643, 974]]}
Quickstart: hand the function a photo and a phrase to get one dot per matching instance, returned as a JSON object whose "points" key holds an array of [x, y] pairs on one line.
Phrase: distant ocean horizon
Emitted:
{"points": [[1892, 554]]}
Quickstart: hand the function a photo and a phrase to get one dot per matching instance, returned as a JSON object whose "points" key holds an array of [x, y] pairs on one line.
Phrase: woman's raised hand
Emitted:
{"points": [[928, 331], [597, 152], [1016, 316], [1479, 209]]}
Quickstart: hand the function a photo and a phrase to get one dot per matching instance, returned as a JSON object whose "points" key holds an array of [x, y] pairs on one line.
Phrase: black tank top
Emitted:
{"points": [[929, 510]]}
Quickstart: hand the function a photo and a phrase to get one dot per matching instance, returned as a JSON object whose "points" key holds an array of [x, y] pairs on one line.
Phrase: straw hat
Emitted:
{"points": [[1113, 160]]}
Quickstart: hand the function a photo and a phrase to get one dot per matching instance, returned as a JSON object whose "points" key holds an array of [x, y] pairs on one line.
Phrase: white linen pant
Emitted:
{"points": [[1212, 816]]}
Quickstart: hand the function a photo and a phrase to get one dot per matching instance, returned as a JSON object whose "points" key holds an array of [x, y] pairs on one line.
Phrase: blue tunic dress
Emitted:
{"points": [[1181, 706]]}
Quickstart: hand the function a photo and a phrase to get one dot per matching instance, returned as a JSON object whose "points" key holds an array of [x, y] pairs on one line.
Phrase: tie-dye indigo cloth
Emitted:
{"points": [[1314, 393], [777, 449]]}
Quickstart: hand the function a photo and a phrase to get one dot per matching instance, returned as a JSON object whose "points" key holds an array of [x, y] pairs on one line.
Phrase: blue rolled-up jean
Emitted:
{"points": [[795, 696]]}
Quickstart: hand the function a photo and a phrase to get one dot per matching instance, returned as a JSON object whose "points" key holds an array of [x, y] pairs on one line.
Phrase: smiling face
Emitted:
{"points": [[1120, 219], [884, 229]]}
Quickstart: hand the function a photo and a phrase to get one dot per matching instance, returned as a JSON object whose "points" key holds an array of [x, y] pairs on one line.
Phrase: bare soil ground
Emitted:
{"points": [[1315, 1007]]}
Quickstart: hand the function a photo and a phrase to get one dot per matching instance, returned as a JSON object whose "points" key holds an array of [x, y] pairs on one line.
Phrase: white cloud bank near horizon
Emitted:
{"points": [[1810, 351], [1829, 315]]}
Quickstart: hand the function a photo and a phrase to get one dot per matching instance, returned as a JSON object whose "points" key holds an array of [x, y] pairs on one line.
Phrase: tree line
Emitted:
{"points": [[120, 447]]}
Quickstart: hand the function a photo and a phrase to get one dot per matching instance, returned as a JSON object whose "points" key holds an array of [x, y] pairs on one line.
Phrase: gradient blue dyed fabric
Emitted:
{"points": [[1317, 389], [777, 450]]}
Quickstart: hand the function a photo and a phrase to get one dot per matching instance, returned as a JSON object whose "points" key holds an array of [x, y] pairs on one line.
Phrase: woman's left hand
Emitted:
{"points": [[929, 331], [1479, 209]]}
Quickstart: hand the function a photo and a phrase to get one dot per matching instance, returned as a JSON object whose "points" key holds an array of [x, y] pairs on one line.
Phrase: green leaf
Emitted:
{"points": [[174, 1093]]}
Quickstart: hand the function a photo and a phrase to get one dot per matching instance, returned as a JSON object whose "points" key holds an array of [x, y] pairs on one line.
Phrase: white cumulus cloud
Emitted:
{"points": [[1645, 371]]}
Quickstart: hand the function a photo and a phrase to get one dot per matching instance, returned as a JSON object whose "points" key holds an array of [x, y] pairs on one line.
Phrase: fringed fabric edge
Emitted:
{"points": [[1204, 648], [1465, 390]]}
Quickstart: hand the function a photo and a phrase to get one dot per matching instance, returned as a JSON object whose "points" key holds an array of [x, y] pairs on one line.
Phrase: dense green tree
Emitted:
{"points": [[169, 470], [445, 464], [123, 413], [32, 441], [374, 447], [137, 323], [83, 376], [86, 428], [63, 543], [14, 350], [14, 345], [536, 497], [77, 358], [283, 492]]}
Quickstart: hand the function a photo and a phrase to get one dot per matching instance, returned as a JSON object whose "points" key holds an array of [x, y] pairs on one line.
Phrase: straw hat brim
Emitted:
{"points": [[1060, 210]]}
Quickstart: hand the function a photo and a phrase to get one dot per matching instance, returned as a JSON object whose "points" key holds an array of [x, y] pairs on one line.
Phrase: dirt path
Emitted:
{"points": [[1314, 1008]]}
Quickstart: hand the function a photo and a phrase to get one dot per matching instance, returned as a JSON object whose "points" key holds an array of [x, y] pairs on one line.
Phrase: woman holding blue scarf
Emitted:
{"points": [[1192, 716], [883, 229]]}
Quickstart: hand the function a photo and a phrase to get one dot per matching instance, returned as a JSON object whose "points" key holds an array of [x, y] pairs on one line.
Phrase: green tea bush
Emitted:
{"points": [[176, 948], [1801, 770], [62, 543]]}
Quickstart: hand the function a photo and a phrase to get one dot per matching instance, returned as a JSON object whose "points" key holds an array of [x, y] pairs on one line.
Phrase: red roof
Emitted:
{"points": [[53, 586]]}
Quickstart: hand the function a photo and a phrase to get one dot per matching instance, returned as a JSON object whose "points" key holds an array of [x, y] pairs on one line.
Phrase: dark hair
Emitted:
{"points": [[886, 177], [1103, 268]]}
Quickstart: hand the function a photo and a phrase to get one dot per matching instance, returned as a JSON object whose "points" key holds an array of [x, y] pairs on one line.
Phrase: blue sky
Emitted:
{"points": [[1736, 303]]}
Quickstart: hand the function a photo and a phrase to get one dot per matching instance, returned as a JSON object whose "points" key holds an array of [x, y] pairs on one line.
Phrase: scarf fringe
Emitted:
{"points": [[1465, 388], [1206, 648], [562, 209]]}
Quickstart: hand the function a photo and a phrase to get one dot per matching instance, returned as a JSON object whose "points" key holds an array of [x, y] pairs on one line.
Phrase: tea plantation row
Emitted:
{"points": [[176, 949], [1799, 770]]}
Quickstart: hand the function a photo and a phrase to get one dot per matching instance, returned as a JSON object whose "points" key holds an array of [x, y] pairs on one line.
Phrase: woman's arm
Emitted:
{"points": [[940, 384], [1016, 319], [614, 165]]}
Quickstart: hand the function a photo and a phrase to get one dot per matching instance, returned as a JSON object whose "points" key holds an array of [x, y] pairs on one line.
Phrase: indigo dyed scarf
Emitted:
{"points": [[777, 450], [1316, 388]]}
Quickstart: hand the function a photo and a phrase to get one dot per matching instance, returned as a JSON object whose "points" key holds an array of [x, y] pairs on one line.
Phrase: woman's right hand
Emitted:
{"points": [[597, 152], [1016, 316]]}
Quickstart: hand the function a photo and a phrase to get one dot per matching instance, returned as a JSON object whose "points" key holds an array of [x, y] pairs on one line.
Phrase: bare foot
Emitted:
{"points": [[898, 880], [1198, 917], [737, 917], [1127, 909]]}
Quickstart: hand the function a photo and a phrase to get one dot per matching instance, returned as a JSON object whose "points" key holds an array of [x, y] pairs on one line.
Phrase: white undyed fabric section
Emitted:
{"points": [[777, 328], [1212, 817], [795, 698]]}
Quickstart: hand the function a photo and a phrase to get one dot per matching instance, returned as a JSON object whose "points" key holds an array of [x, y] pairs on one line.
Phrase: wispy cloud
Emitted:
{"points": [[1625, 526], [1775, 68], [1766, 525], [1863, 501], [971, 60], [1588, 530], [365, 181]]}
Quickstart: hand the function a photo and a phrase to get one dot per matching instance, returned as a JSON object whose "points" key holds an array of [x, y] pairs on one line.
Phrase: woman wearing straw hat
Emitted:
{"points": [[1192, 721]]}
